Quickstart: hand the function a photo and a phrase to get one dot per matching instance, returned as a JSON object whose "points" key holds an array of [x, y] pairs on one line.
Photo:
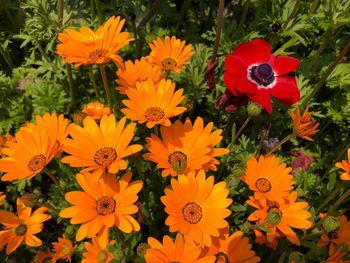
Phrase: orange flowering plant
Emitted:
{"points": [[155, 131]]}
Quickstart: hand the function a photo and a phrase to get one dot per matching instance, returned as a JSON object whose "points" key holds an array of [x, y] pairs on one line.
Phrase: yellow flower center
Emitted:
{"points": [[98, 54], [105, 156], [263, 185], [169, 64], [37, 163], [192, 213], [21, 229], [66, 250], [105, 205], [221, 258], [154, 114], [102, 256], [178, 161], [274, 216]]}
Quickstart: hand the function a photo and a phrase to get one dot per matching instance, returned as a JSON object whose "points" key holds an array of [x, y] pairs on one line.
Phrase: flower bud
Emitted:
{"points": [[141, 249], [331, 224], [274, 216], [253, 109]]}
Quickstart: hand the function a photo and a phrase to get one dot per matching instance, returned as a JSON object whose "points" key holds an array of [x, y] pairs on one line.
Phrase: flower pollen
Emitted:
{"points": [[168, 64], [262, 74], [37, 163], [154, 114], [221, 258], [105, 156], [21, 230], [105, 205], [178, 161], [192, 213], [98, 54], [263, 185]]}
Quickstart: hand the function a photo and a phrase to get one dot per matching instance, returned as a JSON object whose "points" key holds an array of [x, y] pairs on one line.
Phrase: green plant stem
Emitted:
{"points": [[150, 14], [218, 30], [92, 7], [330, 197], [105, 85], [241, 129], [60, 10], [314, 6], [341, 199], [53, 178], [243, 17], [41, 50], [315, 234], [71, 85], [278, 145], [184, 8], [99, 11], [6, 57], [326, 74], [292, 14], [92, 78]]}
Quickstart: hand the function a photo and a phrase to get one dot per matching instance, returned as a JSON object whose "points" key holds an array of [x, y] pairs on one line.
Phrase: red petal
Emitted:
{"points": [[245, 86], [255, 51], [230, 82], [283, 64], [262, 97], [286, 90], [235, 66]]}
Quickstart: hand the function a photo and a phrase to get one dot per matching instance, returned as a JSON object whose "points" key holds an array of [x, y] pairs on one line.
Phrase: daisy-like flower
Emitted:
{"points": [[34, 149], [337, 254], [86, 47], [63, 249], [43, 256], [22, 227], [304, 126], [345, 165], [103, 204], [281, 217], [96, 110], [178, 251], [233, 249], [268, 179], [252, 70], [153, 103], [339, 237], [2, 198], [97, 251], [132, 73], [170, 55], [102, 147], [185, 147], [197, 207]]}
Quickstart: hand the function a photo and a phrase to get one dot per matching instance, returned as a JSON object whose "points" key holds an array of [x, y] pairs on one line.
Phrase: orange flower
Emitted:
{"points": [[5, 141], [345, 165], [96, 110], [133, 73], [43, 257], [97, 251], [336, 255], [87, 47], [281, 217], [63, 249], [178, 251], [22, 228], [170, 55], [303, 125], [268, 179], [339, 237], [153, 104], [34, 149], [105, 203], [197, 207], [191, 149], [100, 148], [233, 249], [2, 197]]}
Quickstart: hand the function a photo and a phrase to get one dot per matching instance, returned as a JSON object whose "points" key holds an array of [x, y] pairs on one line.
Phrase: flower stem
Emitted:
{"points": [[6, 57], [241, 129], [150, 14], [71, 85], [292, 14], [342, 198], [278, 145], [243, 17], [53, 178], [92, 78], [180, 20], [105, 85], [60, 9], [99, 11], [326, 74], [218, 30]]}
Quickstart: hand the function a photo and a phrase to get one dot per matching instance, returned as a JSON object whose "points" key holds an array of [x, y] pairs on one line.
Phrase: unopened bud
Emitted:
{"points": [[141, 249], [331, 224], [253, 109], [274, 216]]}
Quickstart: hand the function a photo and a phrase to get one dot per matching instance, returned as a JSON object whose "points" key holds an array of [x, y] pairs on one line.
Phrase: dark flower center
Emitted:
{"points": [[221, 258], [21, 230], [98, 54], [263, 185], [105, 205], [178, 161], [262, 74], [105, 156], [154, 114], [169, 64], [37, 163], [192, 213]]}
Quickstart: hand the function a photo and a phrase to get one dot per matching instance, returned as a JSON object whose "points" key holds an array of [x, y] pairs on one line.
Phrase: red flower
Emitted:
{"points": [[251, 69]]}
